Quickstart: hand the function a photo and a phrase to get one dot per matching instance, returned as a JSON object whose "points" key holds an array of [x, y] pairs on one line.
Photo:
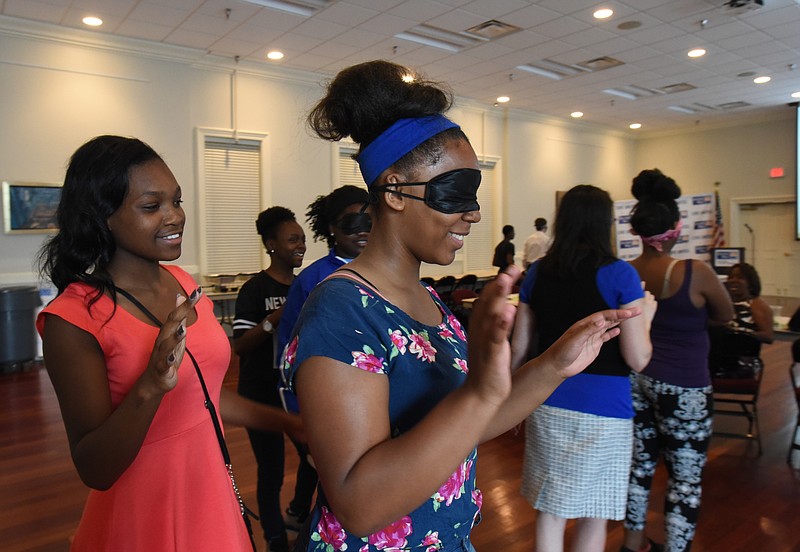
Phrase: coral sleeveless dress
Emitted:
{"points": [[176, 495]]}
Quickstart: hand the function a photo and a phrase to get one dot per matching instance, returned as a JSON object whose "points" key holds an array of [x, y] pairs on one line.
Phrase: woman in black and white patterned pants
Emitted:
{"points": [[675, 421], [672, 395]]}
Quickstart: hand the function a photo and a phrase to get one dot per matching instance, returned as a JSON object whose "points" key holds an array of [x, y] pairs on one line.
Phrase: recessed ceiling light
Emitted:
{"points": [[603, 13], [635, 126], [408, 78], [576, 114], [696, 53], [762, 80], [503, 99], [796, 95], [275, 55], [92, 21]]}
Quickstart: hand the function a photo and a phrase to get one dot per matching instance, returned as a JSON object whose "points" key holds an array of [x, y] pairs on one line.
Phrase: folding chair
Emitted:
{"points": [[444, 287], [467, 281], [736, 373]]}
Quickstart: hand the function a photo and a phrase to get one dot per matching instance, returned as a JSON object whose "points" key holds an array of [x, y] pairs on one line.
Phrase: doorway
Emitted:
{"points": [[765, 227]]}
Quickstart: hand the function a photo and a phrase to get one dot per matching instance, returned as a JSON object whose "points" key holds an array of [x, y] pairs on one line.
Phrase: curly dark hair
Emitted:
{"points": [[270, 219], [326, 209], [364, 100], [656, 212], [95, 185]]}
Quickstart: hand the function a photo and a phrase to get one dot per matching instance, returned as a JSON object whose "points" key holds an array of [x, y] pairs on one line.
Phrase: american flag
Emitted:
{"points": [[718, 239]]}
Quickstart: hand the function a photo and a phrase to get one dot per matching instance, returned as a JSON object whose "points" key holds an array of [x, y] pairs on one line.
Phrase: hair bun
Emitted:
{"points": [[653, 185], [364, 100]]}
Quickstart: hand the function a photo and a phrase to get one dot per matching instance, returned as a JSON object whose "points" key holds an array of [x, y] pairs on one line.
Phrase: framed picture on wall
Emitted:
{"points": [[30, 207]]}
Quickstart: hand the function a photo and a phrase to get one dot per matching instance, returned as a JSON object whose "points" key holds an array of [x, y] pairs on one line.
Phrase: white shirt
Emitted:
{"points": [[535, 247]]}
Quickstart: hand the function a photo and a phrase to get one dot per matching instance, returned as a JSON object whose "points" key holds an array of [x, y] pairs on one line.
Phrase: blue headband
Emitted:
{"points": [[396, 141]]}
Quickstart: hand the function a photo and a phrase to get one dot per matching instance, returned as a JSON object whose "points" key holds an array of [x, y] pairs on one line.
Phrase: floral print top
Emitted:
{"points": [[347, 321]]}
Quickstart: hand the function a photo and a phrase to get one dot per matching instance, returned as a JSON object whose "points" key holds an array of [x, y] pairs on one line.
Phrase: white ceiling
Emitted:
{"points": [[742, 43]]}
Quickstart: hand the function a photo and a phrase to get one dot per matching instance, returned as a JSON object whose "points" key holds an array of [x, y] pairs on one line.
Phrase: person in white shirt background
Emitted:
{"points": [[537, 243]]}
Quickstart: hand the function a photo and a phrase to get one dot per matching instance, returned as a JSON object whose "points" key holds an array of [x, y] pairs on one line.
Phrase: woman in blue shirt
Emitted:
{"points": [[578, 443]]}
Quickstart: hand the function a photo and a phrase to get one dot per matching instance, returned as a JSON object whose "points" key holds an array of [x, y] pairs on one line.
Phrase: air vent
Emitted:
{"points": [[733, 105], [557, 71], [493, 29], [306, 8], [600, 64], [440, 38], [679, 87], [736, 7]]}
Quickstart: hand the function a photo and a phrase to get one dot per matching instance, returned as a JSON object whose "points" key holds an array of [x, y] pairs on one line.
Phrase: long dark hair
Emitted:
{"points": [[582, 232], [364, 100], [95, 186], [657, 211]]}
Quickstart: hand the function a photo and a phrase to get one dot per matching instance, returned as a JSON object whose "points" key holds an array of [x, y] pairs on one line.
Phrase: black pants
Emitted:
{"points": [[269, 451]]}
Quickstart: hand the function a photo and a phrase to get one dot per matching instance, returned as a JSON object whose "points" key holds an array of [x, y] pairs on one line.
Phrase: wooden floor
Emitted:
{"points": [[750, 503]]}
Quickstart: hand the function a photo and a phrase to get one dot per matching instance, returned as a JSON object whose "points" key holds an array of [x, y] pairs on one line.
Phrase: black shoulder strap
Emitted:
{"points": [[141, 307], [209, 403], [212, 411], [346, 269]]}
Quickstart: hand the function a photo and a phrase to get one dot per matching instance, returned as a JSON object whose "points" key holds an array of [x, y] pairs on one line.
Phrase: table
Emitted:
{"points": [[782, 331], [513, 298], [222, 299]]}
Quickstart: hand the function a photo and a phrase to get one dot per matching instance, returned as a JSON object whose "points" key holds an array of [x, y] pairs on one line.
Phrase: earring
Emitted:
{"points": [[270, 251]]}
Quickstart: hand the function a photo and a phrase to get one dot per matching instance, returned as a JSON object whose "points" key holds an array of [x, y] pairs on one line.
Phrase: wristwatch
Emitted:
{"points": [[267, 326]]}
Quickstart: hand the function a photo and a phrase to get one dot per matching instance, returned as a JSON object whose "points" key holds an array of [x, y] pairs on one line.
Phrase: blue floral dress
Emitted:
{"points": [[349, 322]]}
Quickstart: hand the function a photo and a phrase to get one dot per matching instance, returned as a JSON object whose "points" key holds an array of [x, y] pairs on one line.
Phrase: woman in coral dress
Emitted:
{"points": [[139, 431]]}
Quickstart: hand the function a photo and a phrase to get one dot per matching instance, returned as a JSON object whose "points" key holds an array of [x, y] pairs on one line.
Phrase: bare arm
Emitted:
{"points": [[634, 336], [718, 300], [238, 410], [351, 442], [538, 378], [354, 452], [523, 336], [763, 318], [355, 455], [104, 442], [255, 337]]}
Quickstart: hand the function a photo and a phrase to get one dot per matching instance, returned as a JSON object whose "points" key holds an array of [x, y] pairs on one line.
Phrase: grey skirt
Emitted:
{"points": [[577, 465]]}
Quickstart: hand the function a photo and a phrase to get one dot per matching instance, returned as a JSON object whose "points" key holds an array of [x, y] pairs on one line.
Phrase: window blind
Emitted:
{"points": [[479, 246], [349, 173], [232, 191]]}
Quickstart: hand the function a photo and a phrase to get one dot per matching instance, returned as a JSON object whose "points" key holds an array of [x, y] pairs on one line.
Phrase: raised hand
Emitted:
{"points": [[491, 322], [170, 345], [581, 343]]}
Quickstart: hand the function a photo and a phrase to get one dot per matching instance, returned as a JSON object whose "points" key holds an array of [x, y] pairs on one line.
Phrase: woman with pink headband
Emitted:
{"points": [[395, 407], [672, 395]]}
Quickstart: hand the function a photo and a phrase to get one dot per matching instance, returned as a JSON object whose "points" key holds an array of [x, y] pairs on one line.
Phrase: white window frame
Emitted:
{"points": [[202, 135]]}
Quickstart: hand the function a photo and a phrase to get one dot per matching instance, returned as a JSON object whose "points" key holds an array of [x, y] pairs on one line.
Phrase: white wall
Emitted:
{"points": [[69, 86], [738, 158]]}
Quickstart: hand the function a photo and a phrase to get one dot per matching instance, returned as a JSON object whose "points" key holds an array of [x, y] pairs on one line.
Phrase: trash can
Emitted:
{"points": [[17, 324]]}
